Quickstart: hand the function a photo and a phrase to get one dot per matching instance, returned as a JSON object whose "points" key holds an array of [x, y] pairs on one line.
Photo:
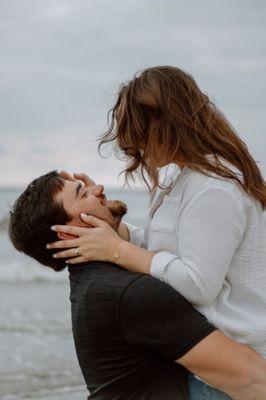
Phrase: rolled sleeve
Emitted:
{"points": [[159, 263]]}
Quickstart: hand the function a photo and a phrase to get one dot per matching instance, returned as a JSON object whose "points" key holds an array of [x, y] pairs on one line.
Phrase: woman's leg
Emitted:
{"points": [[199, 390]]}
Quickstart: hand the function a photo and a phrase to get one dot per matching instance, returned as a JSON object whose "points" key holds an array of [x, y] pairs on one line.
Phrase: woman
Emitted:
{"points": [[206, 233]]}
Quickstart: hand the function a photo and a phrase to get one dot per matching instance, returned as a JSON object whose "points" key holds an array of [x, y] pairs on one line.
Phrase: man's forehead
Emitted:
{"points": [[68, 189], [72, 185]]}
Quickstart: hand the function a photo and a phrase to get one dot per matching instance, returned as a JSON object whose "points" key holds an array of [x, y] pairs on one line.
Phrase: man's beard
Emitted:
{"points": [[117, 208]]}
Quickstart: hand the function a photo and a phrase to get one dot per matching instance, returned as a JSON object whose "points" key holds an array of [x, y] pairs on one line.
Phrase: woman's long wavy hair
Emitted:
{"points": [[162, 113]]}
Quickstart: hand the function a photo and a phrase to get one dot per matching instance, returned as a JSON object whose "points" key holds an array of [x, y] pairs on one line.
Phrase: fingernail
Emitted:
{"points": [[83, 215], [54, 255], [48, 246], [53, 228]]}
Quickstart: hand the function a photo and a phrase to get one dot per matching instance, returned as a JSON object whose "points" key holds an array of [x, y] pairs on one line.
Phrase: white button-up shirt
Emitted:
{"points": [[210, 242]]}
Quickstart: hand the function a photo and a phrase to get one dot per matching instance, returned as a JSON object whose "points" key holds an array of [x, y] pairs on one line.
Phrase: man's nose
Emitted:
{"points": [[97, 190]]}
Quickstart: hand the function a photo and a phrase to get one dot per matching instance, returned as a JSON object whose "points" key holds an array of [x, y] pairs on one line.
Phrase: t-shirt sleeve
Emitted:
{"points": [[153, 315]]}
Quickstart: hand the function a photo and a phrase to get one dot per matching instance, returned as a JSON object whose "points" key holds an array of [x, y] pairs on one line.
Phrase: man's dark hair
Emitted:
{"points": [[33, 213]]}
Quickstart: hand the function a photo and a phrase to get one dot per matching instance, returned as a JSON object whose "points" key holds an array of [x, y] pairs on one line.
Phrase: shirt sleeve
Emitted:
{"points": [[154, 316], [210, 230], [136, 235]]}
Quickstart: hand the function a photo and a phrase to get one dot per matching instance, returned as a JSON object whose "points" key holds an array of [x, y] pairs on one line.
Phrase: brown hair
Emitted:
{"points": [[34, 212], [163, 111]]}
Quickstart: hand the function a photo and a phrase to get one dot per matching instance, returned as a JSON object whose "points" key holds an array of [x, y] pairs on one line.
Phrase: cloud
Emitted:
{"points": [[62, 61], [27, 157]]}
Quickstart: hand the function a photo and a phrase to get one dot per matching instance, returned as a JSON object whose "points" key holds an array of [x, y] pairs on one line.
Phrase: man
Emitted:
{"points": [[133, 333]]}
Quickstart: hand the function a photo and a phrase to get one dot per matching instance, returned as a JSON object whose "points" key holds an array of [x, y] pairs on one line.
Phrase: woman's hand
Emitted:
{"points": [[100, 242], [78, 176]]}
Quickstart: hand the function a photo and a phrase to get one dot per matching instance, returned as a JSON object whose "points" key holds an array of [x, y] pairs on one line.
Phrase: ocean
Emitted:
{"points": [[38, 359]]}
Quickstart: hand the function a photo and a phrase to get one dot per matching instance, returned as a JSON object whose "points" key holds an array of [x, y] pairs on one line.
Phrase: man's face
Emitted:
{"points": [[77, 199]]}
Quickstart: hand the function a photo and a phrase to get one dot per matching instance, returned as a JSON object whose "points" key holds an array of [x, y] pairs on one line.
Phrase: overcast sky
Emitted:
{"points": [[62, 62]]}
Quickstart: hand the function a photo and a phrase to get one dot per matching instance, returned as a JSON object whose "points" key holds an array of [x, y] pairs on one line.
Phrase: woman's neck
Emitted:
{"points": [[180, 164]]}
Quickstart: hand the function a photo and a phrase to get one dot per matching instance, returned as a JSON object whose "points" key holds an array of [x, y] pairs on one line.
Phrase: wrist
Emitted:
{"points": [[117, 250], [132, 257]]}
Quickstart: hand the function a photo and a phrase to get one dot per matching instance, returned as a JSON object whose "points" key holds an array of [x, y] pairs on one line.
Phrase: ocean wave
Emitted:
{"points": [[27, 270], [38, 323], [43, 385]]}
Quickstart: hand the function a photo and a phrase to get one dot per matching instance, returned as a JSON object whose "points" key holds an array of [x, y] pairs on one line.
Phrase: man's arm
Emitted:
{"points": [[229, 366], [155, 316]]}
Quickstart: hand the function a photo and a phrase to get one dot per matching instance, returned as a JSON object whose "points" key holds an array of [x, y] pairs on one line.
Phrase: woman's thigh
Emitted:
{"points": [[198, 390]]}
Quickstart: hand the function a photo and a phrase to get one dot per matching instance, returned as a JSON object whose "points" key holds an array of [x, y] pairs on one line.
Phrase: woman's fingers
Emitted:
{"points": [[84, 178], [76, 260], [67, 253], [72, 230], [64, 244], [77, 176], [93, 221], [65, 175]]}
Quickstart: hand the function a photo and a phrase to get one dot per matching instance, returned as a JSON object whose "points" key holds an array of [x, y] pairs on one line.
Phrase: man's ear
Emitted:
{"points": [[65, 236]]}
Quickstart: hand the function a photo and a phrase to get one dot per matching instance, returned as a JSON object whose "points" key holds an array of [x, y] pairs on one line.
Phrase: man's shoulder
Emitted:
{"points": [[148, 288], [104, 281], [101, 278], [96, 290]]}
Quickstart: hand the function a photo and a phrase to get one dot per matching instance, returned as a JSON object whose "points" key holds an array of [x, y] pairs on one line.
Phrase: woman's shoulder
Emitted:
{"points": [[209, 180], [197, 182]]}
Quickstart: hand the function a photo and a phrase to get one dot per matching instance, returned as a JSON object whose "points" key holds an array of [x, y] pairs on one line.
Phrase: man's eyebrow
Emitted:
{"points": [[78, 189]]}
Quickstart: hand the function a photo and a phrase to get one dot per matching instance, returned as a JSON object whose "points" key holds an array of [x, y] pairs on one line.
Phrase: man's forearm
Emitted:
{"points": [[230, 367], [256, 389]]}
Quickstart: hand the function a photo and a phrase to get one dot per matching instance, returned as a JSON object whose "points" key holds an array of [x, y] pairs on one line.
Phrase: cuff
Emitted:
{"points": [[135, 234], [159, 264]]}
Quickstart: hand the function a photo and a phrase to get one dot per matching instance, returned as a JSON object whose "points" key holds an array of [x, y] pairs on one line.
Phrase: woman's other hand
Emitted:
{"points": [[100, 242], [78, 176]]}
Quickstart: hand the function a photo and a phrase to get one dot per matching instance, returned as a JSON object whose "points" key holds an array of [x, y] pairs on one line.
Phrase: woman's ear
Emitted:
{"points": [[65, 236]]}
